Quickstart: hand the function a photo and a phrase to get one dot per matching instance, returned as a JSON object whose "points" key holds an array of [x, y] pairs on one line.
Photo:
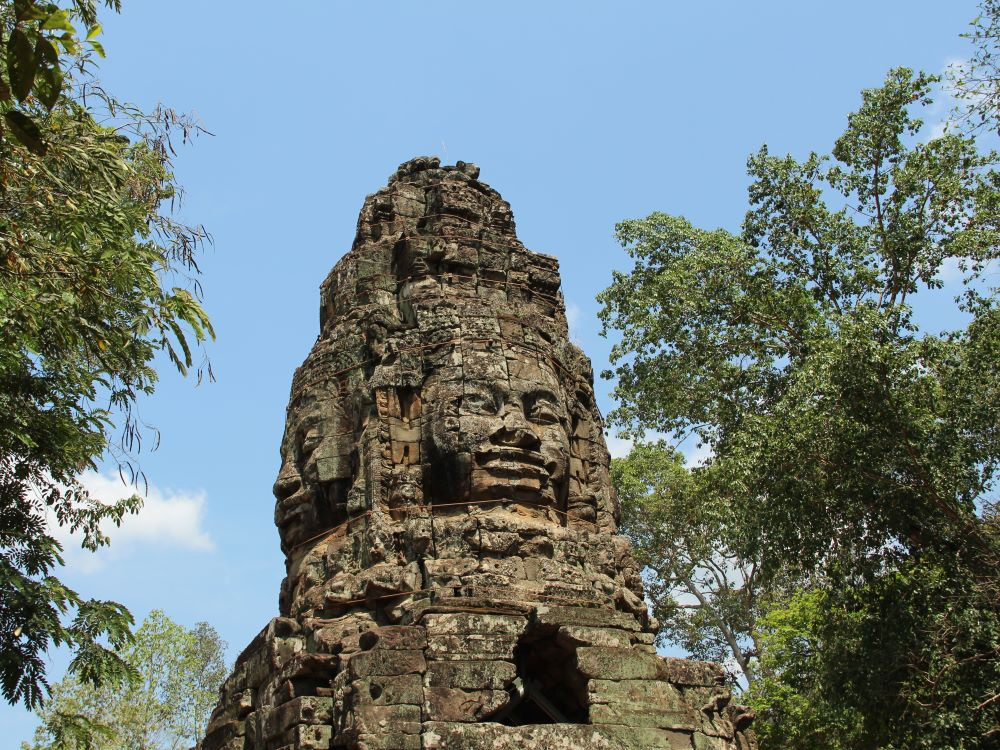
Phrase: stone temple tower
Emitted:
{"points": [[454, 579]]}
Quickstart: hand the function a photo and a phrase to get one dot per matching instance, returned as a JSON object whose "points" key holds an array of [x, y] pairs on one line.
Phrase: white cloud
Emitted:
{"points": [[939, 129], [946, 104], [170, 519], [951, 271], [618, 447], [696, 454]]}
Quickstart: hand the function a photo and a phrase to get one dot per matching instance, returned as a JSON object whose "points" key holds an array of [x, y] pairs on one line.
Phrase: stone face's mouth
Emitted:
{"points": [[292, 508], [510, 455], [512, 463]]}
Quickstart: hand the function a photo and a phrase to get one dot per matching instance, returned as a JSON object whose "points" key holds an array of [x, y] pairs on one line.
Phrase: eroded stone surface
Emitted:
{"points": [[453, 575]]}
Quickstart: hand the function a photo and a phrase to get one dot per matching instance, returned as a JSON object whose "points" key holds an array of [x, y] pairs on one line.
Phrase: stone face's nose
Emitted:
{"points": [[287, 483], [516, 432]]}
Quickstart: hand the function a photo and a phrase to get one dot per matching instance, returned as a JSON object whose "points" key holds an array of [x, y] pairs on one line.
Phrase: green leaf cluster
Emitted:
{"points": [[163, 704], [854, 452], [34, 36], [96, 280]]}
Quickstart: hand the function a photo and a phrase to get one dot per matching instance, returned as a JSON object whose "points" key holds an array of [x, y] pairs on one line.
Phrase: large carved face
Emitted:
{"points": [[315, 464], [497, 438]]}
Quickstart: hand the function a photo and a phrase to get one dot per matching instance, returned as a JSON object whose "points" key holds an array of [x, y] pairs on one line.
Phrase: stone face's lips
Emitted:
{"points": [[514, 464], [512, 455], [291, 509]]}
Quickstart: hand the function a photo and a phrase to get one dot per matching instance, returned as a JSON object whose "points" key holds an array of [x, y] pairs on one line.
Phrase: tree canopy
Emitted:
{"points": [[96, 279], [165, 705], [704, 594], [856, 451]]}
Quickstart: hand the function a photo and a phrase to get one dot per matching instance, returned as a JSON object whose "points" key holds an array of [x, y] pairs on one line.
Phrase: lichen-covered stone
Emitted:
{"points": [[453, 576]]}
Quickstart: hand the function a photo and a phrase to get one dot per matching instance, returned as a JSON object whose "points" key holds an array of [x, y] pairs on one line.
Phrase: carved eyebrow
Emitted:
{"points": [[494, 390], [539, 393]]}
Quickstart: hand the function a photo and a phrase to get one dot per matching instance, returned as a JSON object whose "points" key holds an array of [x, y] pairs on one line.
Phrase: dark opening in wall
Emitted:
{"points": [[548, 688]]}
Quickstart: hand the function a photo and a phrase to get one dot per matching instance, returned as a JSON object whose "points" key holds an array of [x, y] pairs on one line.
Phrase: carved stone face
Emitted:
{"points": [[294, 507], [503, 438], [315, 461]]}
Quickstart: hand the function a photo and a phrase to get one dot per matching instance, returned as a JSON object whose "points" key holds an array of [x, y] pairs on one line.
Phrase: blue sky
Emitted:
{"points": [[580, 113]]}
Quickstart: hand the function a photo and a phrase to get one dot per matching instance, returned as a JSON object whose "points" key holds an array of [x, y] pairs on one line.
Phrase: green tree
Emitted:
{"points": [[96, 279], [705, 596], [858, 452], [164, 706], [31, 73], [976, 81]]}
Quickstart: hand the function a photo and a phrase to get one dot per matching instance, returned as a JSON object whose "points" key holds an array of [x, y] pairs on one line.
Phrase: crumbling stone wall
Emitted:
{"points": [[453, 575]]}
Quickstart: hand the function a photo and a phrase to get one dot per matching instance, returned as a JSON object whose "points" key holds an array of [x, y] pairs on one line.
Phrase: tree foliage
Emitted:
{"points": [[165, 705], [976, 81], [96, 279], [705, 596], [856, 450]]}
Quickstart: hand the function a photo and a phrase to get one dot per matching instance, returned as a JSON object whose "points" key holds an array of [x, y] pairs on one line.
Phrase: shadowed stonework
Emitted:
{"points": [[454, 579]]}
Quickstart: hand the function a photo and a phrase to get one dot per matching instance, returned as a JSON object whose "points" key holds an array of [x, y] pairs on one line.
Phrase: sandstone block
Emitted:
{"points": [[460, 623], [389, 740], [380, 662], [220, 735], [696, 673], [307, 711], [580, 635], [452, 704], [385, 691], [404, 719], [619, 664], [470, 675], [595, 617], [395, 637], [471, 646], [487, 736]]}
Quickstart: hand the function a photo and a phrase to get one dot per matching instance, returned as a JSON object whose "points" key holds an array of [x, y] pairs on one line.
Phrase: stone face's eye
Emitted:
{"points": [[479, 403], [542, 408], [305, 445]]}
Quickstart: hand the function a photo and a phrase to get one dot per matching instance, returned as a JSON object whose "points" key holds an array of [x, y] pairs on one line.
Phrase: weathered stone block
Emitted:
{"points": [[310, 737], [389, 740], [456, 623], [644, 716], [452, 704], [619, 664], [220, 735], [385, 691], [698, 673], [595, 617], [396, 637], [448, 736], [471, 646], [470, 675], [386, 662], [651, 738], [309, 710], [637, 694], [579, 635], [404, 719]]}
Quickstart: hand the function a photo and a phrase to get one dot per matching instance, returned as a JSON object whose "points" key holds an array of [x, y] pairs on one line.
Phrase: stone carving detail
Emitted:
{"points": [[454, 579]]}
